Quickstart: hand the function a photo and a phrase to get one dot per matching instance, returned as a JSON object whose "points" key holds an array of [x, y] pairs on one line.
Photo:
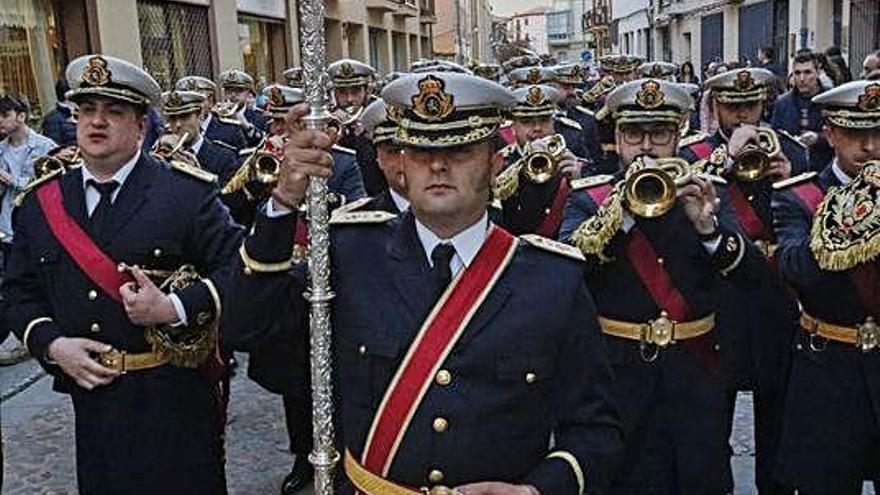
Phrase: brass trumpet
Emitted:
{"points": [[262, 165], [59, 158], [753, 160], [227, 112], [168, 145], [650, 190], [542, 165]]}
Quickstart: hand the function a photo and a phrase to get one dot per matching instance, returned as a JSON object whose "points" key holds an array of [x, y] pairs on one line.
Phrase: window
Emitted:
{"points": [[169, 32], [558, 25]]}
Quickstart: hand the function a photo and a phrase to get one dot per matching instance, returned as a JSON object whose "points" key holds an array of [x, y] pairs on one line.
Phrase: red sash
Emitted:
{"points": [[702, 149], [436, 338], [751, 223], [96, 265], [599, 193], [866, 276], [549, 227], [657, 281]]}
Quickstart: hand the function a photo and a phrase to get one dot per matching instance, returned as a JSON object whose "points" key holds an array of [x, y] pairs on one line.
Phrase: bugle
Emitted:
{"points": [[650, 188]]}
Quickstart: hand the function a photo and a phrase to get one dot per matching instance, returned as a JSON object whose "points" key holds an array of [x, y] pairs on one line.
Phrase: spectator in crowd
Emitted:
{"points": [[767, 60], [17, 152], [708, 123], [871, 66], [827, 73], [835, 58], [795, 112], [686, 74], [59, 125]]}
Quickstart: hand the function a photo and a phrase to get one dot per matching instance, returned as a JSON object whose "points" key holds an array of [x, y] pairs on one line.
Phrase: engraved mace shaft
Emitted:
{"points": [[324, 455]]}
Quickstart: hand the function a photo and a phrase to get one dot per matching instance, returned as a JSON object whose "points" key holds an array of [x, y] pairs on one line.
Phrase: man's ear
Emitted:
{"points": [[497, 161], [828, 133]]}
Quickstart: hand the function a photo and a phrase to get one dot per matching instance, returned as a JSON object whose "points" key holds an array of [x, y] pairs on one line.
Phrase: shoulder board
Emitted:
{"points": [[569, 122], [34, 184], [797, 179], [693, 138], [786, 134], [198, 173], [553, 246], [590, 182], [361, 217], [343, 149], [222, 144], [351, 206], [585, 110]]}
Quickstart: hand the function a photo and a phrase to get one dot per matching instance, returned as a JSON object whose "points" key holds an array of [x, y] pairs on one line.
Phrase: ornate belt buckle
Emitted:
{"points": [[868, 335], [661, 330], [112, 359]]}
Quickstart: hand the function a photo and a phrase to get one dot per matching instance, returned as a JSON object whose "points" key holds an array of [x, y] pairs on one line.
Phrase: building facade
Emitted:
{"points": [[702, 31], [565, 30], [530, 29], [198, 37], [463, 31]]}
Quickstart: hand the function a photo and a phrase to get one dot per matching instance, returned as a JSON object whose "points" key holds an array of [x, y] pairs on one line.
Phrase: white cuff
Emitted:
{"points": [[274, 210], [628, 222], [179, 309]]}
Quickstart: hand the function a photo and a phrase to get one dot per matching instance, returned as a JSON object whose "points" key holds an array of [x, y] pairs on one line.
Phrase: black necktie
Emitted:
{"points": [[441, 273], [101, 214]]}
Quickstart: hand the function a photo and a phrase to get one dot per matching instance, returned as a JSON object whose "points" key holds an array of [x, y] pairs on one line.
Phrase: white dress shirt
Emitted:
{"points": [[839, 173], [466, 243], [399, 201]]}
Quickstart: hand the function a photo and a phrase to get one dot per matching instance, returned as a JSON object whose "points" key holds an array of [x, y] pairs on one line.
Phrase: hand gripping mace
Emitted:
{"points": [[324, 455]]}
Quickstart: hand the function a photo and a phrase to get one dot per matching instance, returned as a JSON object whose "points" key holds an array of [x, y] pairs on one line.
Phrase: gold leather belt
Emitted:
{"points": [[865, 336], [127, 361], [370, 483], [660, 332]]}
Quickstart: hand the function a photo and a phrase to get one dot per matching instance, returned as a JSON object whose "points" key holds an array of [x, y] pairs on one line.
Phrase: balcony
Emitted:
{"points": [[427, 15], [406, 8], [381, 6], [555, 39]]}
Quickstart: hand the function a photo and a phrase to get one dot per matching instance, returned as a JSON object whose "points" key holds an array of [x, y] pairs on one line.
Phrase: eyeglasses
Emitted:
{"points": [[657, 135]]}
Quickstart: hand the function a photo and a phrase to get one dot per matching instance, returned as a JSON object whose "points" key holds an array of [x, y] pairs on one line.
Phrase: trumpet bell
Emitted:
{"points": [[542, 165], [650, 191], [753, 160], [266, 167]]}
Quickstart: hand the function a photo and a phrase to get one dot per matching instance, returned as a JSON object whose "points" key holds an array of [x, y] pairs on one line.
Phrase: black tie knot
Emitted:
{"points": [[106, 189], [442, 255]]}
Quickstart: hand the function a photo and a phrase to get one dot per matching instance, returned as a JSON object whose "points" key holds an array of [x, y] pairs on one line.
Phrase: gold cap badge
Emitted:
{"points": [[650, 96], [96, 73], [432, 103], [870, 100], [744, 81], [535, 96]]}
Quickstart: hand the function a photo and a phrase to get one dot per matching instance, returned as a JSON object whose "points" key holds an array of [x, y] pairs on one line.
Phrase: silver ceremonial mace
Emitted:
{"points": [[324, 455]]}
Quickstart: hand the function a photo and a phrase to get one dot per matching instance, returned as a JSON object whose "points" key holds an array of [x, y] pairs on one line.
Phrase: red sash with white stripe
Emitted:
{"points": [[436, 338], [549, 227], [93, 262]]}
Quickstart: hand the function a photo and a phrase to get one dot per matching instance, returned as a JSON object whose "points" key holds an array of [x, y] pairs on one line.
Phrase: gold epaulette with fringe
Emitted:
{"points": [[553, 246], [591, 182], [569, 122], [361, 217], [36, 183], [792, 181], [343, 149], [200, 174]]}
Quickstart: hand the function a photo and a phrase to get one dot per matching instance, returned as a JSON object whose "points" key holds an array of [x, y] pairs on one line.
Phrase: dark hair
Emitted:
{"points": [[806, 56], [768, 52], [14, 102], [833, 51], [61, 89], [690, 67]]}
